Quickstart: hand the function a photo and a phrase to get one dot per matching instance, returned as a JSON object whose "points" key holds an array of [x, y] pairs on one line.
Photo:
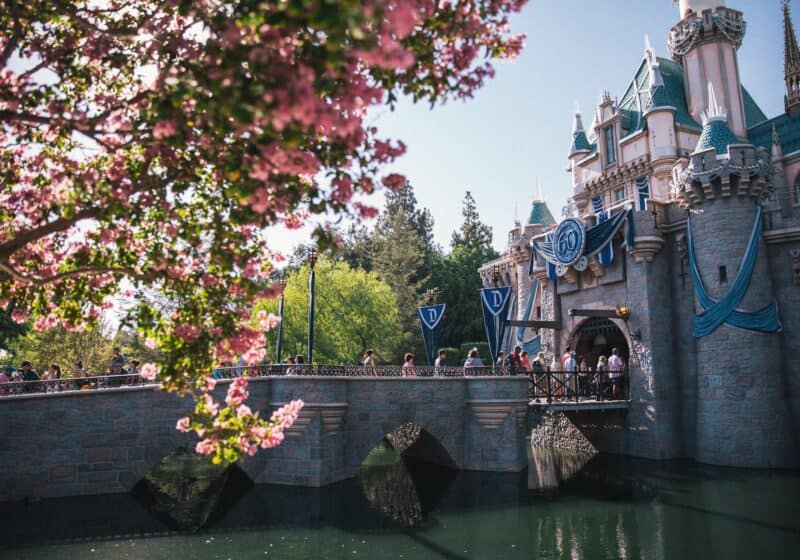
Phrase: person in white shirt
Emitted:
{"points": [[570, 365], [438, 364], [616, 368]]}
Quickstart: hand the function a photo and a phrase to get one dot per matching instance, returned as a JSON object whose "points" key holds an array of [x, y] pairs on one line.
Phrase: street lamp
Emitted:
{"points": [[623, 311], [279, 344], [312, 261], [496, 274]]}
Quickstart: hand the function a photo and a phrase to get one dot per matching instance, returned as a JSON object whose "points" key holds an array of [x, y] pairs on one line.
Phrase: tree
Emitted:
{"points": [[473, 234], [354, 311], [458, 280], [154, 140], [10, 330], [62, 347]]}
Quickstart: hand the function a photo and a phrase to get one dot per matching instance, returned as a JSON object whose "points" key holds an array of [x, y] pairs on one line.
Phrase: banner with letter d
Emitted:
{"points": [[430, 319], [495, 312]]}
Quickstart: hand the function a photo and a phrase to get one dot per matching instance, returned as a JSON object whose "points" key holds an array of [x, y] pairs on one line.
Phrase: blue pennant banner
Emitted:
{"points": [[430, 319], [495, 303], [716, 312]]}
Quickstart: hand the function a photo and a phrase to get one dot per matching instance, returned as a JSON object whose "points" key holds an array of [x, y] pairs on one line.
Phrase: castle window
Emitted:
{"points": [[723, 275], [611, 148], [619, 195], [538, 311], [797, 193]]}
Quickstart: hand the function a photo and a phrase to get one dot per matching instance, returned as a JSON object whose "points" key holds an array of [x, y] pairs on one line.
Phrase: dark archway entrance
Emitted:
{"points": [[598, 337]]}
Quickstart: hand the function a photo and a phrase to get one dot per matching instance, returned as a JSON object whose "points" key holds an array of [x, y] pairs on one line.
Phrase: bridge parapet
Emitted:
{"points": [[105, 441]]}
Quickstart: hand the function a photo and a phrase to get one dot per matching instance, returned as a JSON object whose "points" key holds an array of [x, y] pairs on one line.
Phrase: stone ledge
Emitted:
{"points": [[492, 414]]}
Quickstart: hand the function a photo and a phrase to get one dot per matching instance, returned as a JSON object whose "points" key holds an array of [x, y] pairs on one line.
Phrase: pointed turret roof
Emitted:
{"points": [[580, 143], [791, 51], [540, 214], [716, 133]]}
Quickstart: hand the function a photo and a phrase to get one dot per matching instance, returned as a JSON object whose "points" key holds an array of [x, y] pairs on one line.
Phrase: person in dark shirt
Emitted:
{"points": [[29, 374], [515, 361]]}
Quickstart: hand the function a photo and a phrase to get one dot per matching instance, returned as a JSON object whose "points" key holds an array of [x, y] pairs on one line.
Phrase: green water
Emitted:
{"points": [[603, 507]]}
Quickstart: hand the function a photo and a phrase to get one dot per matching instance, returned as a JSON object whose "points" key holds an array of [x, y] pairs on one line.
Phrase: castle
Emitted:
{"points": [[685, 209]]}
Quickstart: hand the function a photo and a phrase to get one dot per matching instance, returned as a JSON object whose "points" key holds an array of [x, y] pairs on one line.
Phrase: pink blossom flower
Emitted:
{"points": [[149, 371], [286, 415], [210, 404], [237, 392], [164, 129], [267, 321], [183, 424], [243, 410], [394, 181], [187, 333], [206, 446]]}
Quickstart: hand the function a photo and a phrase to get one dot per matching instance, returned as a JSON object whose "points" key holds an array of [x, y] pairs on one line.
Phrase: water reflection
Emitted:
{"points": [[612, 507], [548, 467]]}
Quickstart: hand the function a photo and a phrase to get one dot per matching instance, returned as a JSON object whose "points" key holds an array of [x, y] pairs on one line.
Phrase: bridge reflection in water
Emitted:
{"points": [[613, 507]]}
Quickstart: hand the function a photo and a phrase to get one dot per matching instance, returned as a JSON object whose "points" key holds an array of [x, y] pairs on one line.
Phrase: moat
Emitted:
{"points": [[562, 506]]}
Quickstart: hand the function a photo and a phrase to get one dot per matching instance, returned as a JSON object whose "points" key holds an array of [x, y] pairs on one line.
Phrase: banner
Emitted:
{"points": [[430, 319], [495, 312]]}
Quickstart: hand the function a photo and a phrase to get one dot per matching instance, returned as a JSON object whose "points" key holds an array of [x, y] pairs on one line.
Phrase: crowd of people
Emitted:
{"points": [[52, 379]]}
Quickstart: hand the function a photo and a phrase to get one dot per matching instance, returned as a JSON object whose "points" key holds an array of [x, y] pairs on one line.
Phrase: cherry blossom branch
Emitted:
{"points": [[10, 247], [18, 276], [11, 46]]}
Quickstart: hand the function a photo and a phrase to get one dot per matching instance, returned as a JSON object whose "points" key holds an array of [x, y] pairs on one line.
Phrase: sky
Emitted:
{"points": [[518, 126]]}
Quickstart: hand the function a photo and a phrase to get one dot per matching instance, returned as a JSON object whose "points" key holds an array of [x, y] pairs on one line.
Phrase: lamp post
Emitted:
{"points": [[496, 274], [312, 261], [279, 344]]}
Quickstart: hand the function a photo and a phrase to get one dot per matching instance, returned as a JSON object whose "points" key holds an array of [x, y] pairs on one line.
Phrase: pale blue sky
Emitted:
{"points": [[518, 126]]}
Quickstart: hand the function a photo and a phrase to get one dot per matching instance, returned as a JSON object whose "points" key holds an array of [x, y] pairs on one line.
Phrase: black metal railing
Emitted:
{"points": [[17, 387], [565, 386], [322, 370]]}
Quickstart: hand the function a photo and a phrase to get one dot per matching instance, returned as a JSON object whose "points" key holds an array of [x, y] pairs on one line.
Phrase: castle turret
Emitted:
{"points": [[742, 413], [791, 66], [579, 148], [660, 115], [705, 42]]}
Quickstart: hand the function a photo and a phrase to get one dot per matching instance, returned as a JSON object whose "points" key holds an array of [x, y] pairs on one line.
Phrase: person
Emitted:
{"points": [[408, 365], [79, 375], [52, 375], [537, 369], [299, 362], [514, 361], [583, 376], [564, 357], [501, 362], [473, 361], [570, 365], [439, 364], [4, 389], [600, 374], [29, 375], [369, 363], [133, 373], [525, 362], [117, 361], [616, 368]]}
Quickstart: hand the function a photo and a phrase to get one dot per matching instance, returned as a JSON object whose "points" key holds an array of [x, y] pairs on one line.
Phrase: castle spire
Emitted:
{"points": [[539, 197], [791, 66], [580, 143]]}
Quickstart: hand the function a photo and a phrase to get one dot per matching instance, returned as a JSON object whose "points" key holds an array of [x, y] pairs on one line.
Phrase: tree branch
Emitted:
{"points": [[11, 46], [10, 247], [21, 278]]}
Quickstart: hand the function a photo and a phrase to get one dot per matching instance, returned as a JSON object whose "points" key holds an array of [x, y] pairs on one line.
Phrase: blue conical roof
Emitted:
{"points": [[717, 135], [540, 215], [580, 143]]}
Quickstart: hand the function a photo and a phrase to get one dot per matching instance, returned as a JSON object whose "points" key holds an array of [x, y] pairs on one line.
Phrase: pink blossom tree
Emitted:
{"points": [[154, 140]]}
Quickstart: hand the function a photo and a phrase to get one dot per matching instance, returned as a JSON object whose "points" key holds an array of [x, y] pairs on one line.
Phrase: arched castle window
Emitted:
{"points": [[796, 197]]}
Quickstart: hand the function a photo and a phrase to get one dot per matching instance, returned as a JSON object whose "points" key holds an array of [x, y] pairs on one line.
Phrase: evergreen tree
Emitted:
{"points": [[473, 234], [457, 277]]}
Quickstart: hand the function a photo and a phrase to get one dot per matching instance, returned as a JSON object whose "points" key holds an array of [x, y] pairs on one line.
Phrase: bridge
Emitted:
{"points": [[103, 441]]}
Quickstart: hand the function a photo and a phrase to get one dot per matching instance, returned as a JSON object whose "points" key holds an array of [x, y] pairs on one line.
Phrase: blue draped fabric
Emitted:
{"points": [[643, 190], [597, 204], [526, 314], [599, 236], [606, 256], [715, 313]]}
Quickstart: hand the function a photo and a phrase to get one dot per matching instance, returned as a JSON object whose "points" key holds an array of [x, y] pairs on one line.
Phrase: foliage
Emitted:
{"points": [[473, 234], [10, 329], [154, 140], [354, 311], [458, 280], [62, 347]]}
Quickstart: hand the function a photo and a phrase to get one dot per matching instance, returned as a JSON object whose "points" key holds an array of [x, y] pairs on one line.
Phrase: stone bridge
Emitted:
{"points": [[105, 441]]}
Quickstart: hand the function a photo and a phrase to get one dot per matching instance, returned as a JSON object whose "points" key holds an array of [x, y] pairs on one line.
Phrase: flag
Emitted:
{"points": [[495, 303], [430, 318]]}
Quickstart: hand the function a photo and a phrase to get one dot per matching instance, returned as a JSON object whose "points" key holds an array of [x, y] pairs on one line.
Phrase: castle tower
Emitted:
{"points": [[791, 67], [742, 411], [579, 149], [705, 42]]}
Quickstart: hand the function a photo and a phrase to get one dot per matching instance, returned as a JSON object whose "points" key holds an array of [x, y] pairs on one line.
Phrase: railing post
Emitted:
{"points": [[549, 387]]}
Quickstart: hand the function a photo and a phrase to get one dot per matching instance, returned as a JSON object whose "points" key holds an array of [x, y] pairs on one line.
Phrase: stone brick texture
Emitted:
{"points": [[731, 398], [99, 442]]}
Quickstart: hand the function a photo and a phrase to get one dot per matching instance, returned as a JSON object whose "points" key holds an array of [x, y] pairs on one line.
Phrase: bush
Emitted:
{"points": [[483, 351]]}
